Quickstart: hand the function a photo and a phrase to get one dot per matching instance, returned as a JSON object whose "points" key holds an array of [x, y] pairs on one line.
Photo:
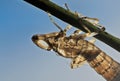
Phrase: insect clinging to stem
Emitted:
{"points": [[79, 50]]}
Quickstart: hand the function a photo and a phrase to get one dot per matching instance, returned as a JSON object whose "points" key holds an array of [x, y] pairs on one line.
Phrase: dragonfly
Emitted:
{"points": [[79, 50]]}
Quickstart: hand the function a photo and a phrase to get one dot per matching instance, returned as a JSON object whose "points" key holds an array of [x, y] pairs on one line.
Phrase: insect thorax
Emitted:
{"points": [[70, 48]]}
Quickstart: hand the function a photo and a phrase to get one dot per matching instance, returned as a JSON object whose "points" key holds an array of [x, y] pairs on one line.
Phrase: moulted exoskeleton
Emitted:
{"points": [[79, 50]]}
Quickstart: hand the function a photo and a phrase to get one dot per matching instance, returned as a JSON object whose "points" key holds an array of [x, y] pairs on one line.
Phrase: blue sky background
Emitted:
{"points": [[21, 60]]}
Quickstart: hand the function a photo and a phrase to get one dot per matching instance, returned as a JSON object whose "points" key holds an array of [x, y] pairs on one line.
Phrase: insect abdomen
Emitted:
{"points": [[106, 66]]}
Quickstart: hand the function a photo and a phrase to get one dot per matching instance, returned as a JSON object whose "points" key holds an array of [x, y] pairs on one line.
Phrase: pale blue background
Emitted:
{"points": [[21, 60]]}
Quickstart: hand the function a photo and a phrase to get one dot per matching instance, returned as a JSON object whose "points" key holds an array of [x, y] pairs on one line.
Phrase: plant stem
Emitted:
{"points": [[71, 18]]}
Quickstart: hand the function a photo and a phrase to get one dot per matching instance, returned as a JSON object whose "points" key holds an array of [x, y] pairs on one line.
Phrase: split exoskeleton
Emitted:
{"points": [[73, 46], [79, 50]]}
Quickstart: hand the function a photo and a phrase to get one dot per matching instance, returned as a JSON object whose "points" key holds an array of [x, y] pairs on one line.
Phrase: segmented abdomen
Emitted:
{"points": [[106, 66], [98, 60], [101, 62]]}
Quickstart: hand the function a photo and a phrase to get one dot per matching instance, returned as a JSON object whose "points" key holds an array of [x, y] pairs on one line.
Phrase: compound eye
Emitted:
{"points": [[43, 44]]}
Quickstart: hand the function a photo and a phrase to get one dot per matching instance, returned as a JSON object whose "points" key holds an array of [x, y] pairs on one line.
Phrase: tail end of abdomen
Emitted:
{"points": [[106, 66]]}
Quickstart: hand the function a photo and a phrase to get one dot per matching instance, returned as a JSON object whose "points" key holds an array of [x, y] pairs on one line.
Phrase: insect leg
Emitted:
{"points": [[77, 62], [89, 33], [92, 40], [52, 20], [94, 21], [83, 17], [67, 27], [77, 32], [67, 7], [76, 13]]}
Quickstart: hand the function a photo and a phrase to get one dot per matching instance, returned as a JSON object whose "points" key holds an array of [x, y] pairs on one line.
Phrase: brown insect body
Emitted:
{"points": [[80, 50]]}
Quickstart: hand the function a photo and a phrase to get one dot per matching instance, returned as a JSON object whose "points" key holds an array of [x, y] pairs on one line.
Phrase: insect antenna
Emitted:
{"points": [[67, 7], [51, 19]]}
